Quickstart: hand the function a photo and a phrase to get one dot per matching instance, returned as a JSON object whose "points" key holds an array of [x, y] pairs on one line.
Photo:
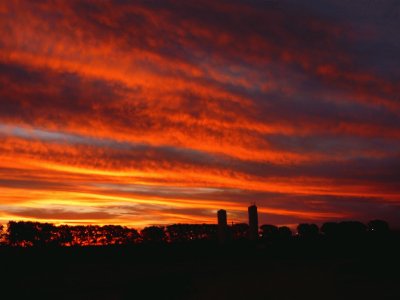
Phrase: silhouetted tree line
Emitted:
{"points": [[26, 234], [37, 234], [46, 234]]}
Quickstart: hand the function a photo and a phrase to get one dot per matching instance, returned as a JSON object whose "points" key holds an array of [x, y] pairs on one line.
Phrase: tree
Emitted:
{"points": [[307, 231], [64, 236], [331, 230], [352, 229], [378, 227], [45, 234], [269, 232], [21, 233], [180, 232], [284, 233], [240, 231], [79, 236], [153, 234], [2, 235], [117, 235], [132, 236]]}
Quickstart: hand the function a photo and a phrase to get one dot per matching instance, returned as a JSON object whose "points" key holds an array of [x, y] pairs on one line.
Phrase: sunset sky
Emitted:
{"points": [[159, 112]]}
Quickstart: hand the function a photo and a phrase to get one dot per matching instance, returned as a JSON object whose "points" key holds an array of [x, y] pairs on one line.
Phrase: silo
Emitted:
{"points": [[253, 222], [222, 226]]}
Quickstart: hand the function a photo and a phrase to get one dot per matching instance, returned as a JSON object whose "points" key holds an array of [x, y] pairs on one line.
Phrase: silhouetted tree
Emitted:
{"points": [[179, 232], [64, 236], [21, 233], [346, 230], [154, 234], [45, 234], [240, 231], [79, 235], [132, 236], [118, 235], [378, 228], [285, 233], [331, 230], [208, 232], [307, 231], [189, 232], [2, 235], [269, 232], [352, 230]]}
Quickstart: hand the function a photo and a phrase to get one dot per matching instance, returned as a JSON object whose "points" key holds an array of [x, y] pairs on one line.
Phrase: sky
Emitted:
{"points": [[156, 112]]}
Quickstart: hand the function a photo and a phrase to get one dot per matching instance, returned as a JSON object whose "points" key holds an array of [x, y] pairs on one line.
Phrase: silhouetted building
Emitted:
{"points": [[222, 226], [253, 222]]}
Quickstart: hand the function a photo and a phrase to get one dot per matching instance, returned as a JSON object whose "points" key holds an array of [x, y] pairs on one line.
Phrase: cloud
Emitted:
{"points": [[58, 214], [189, 102]]}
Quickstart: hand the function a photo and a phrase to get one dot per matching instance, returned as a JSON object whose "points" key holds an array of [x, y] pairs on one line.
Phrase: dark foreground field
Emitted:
{"points": [[196, 271]]}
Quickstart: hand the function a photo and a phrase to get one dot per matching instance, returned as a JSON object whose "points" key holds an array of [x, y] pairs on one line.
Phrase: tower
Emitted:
{"points": [[253, 222], [222, 226]]}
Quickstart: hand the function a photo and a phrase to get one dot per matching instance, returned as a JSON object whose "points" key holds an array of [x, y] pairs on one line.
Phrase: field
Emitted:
{"points": [[192, 271]]}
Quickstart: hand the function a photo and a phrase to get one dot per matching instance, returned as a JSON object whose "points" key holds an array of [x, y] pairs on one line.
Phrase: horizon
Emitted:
{"points": [[142, 112], [293, 227]]}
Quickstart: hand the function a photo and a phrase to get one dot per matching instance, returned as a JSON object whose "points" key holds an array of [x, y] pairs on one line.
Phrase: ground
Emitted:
{"points": [[192, 272]]}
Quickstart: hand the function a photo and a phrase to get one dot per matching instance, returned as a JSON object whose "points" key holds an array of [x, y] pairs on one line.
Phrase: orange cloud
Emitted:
{"points": [[185, 108]]}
